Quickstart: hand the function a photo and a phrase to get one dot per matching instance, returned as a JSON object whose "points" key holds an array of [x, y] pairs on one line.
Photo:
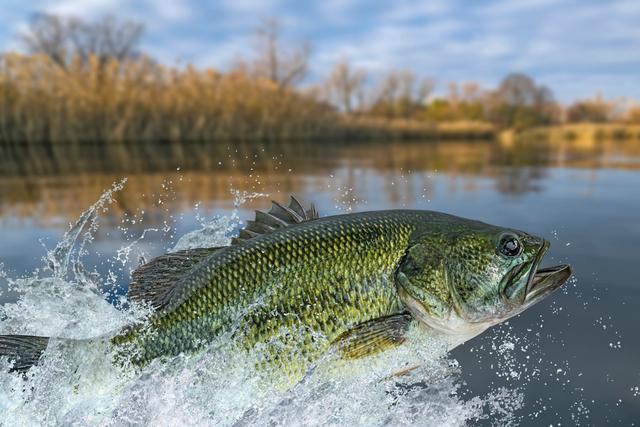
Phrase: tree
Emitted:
{"points": [[633, 115], [281, 66], [463, 102], [595, 111], [401, 94], [345, 86], [65, 39], [471, 91], [518, 102]]}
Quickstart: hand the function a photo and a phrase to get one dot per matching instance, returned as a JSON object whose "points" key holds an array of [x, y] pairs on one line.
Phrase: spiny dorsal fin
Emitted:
{"points": [[156, 282], [278, 217]]}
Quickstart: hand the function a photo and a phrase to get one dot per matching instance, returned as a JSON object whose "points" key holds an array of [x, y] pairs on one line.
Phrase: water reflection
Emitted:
{"points": [[51, 186]]}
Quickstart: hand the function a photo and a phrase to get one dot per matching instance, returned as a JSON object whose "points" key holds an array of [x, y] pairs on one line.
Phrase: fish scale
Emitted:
{"points": [[293, 287], [322, 276]]}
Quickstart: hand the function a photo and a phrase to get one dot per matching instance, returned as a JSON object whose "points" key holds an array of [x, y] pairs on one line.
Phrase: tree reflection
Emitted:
{"points": [[51, 186]]}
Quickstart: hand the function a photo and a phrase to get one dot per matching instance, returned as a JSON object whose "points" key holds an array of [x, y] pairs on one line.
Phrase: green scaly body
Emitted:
{"points": [[294, 285], [318, 277]]}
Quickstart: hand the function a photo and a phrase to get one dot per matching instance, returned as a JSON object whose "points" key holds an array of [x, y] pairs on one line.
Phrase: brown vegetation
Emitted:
{"points": [[368, 128], [583, 134], [87, 82], [142, 101]]}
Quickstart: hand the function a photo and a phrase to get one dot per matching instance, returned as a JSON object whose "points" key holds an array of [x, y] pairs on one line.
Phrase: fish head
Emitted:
{"points": [[465, 278]]}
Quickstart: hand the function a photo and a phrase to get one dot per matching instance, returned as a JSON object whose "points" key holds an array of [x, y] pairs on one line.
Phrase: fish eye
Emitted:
{"points": [[509, 246]]}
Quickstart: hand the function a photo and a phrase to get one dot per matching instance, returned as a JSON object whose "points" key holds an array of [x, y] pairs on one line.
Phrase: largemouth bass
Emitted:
{"points": [[294, 286]]}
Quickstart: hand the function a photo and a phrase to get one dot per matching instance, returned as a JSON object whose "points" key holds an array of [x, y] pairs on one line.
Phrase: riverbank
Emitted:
{"points": [[579, 134], [141, 101]]}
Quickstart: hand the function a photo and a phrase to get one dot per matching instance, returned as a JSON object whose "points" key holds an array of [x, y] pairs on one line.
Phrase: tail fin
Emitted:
{"points": [[24, 350]]}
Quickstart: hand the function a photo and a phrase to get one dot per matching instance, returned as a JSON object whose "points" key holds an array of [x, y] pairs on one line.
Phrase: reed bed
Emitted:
{"points": [[362, 127], [41, 102], [142, 101]]}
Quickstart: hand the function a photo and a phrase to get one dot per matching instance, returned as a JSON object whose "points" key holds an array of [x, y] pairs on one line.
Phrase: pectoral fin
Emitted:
{"points": [[373, 336]]}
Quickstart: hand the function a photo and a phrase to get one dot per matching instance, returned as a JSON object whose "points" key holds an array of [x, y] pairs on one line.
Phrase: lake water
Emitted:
{"points": [[572, 359]]}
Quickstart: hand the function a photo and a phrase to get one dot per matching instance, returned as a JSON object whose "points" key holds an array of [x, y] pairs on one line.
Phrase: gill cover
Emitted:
{"points": [[421, 282]]}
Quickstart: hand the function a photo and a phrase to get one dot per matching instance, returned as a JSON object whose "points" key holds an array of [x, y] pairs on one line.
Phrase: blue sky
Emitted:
{"points": [[576, 47]]}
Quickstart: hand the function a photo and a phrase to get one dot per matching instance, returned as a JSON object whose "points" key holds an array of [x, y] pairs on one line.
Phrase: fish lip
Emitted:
{"points": [[534, 268], [545, 281], [541, 281]]}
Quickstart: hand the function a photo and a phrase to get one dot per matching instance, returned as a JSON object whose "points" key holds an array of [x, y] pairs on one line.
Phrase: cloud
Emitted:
{"points": [[83, 8], [506, 7], [257, 7], [172, 10], [573, 43], [570, 41]]}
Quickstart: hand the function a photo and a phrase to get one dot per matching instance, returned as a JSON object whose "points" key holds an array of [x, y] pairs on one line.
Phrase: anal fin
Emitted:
{"points": [[373, 336]]}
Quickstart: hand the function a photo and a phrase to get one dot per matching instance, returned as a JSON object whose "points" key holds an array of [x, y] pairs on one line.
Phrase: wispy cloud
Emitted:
{"points": [[172, 10], [574, 46], [510, 7], [85, 8]]}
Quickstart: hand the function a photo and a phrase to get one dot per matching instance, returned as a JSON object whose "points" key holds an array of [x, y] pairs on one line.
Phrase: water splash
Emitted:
{"points": [[61, 258], [79, 385]]}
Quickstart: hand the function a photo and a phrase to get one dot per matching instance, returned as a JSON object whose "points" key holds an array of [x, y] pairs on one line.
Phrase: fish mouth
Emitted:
{"points": [[546, 280], [543, 281]]}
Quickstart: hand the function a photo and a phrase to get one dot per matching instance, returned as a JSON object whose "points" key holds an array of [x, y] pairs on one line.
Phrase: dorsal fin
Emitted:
{"points": [[156, 282], [278, 217]]}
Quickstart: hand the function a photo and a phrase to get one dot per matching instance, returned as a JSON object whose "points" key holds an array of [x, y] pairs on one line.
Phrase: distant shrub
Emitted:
{"points": [[619, 134]]}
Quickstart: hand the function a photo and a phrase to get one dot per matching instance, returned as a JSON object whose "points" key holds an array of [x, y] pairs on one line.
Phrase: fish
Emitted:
{"points": [[294, 286]]}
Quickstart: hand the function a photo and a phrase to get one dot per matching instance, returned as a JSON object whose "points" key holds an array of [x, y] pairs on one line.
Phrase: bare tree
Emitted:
{"points": [[389, 88], [64, 39], [48, 35], [596, 110], [345, 86], [283, 67], [425, 89], [471, 91], [453, 93], [401, 94], [518, 102], [520, 90]]}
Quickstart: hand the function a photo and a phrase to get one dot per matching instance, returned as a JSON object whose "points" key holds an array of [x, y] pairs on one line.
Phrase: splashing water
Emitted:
{"points": [[81, 386]]}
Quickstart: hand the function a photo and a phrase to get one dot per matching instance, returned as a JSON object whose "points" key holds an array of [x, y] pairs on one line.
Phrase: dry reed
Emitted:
{"points": [[41, 102], [142, 101]]}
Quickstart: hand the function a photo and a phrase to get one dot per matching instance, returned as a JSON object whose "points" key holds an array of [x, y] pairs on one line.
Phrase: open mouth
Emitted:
{"points": [[545, 280]]}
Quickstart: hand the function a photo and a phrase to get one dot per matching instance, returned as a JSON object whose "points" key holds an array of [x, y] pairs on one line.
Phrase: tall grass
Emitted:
{"points": [[364, 127], [142, 101], [139, 100]]}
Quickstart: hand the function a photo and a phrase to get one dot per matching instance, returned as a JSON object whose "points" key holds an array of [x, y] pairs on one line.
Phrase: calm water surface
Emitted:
{"points": [[583, 343]]}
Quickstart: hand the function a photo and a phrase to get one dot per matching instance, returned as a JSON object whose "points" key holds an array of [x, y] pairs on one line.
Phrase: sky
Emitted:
{"points": [[576, 47]]}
